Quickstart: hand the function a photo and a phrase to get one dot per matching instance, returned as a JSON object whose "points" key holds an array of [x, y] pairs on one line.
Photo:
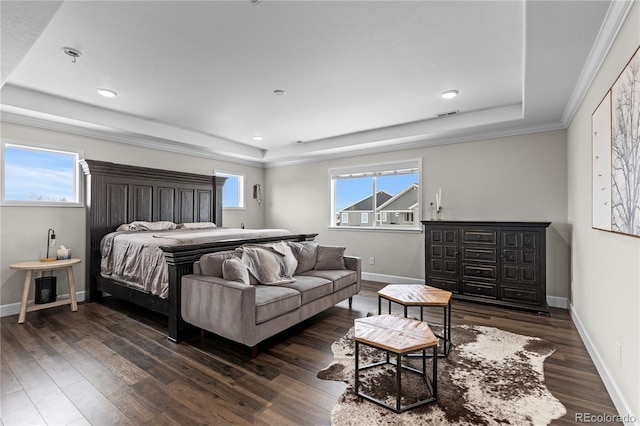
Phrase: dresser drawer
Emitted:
{"points": [[481, 254], [444, 284], [479, 271], [479, 289], [515, 294], [480, 236]]}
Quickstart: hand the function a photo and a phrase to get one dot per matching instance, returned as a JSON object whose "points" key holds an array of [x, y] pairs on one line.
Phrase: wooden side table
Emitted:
{"points": [[399, 336], [39, 267], [422, 296]]}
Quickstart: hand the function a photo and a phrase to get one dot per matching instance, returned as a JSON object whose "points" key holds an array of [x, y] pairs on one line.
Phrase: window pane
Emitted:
{"points": [[230, 192], [353, 197], [379, 197], [38, 175]]}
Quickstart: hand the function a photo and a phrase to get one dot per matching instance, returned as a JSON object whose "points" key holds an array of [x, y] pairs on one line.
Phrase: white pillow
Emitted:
{"points": [[197, 225], [147, 226]]}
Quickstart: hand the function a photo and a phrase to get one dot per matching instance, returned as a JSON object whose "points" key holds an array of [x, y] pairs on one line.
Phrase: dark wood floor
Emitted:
{"points": [[107, 364]]}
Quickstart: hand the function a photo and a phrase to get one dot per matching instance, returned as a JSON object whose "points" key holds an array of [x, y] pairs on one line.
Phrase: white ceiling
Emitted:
{"points": [[360, 76]]}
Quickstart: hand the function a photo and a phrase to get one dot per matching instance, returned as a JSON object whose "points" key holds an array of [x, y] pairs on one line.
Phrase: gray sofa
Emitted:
{"points": [[254, 292]]}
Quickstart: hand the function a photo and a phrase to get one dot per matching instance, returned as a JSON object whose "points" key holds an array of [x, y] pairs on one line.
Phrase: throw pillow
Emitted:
{"points": [[330, 258], [211, 264], [306, 253], [234, 270]]}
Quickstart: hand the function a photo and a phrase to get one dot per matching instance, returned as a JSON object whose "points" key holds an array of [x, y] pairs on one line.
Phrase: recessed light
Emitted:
{"points": [[279, 92], [449, 94], [257, 138], [108, 93]]}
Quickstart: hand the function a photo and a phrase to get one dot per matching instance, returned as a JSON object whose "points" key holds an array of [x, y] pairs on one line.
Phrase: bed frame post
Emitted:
{"points": [[179, 264]]}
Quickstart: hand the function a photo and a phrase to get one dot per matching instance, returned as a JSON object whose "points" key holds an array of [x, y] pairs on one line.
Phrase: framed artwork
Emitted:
{"points": [[615, 136]]}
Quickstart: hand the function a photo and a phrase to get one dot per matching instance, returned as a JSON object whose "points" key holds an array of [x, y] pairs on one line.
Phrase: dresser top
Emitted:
{"points": [[484, 223]]}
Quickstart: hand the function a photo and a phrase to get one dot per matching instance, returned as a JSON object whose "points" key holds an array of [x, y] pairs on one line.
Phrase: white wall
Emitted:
{"points": [[605, 285], [23, 230], [520, 178]]}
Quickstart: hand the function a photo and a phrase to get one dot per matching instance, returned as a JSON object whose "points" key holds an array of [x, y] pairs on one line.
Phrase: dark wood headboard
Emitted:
{"points": [[118, 193]]}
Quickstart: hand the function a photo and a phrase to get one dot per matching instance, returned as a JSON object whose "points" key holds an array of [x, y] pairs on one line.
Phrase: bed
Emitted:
{"points": [[118, 194]]}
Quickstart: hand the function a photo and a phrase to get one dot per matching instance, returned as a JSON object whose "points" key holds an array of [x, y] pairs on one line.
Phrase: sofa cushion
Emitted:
{"points": [[306, 253], [341, 278], [311, 288], [234, 270], [211, 264], [330, 257], [273, 301]]}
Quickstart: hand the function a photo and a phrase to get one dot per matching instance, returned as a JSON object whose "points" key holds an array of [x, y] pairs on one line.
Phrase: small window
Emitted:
{"points": [[385, 195], [40, 176], [344, 218], [232, 191]]}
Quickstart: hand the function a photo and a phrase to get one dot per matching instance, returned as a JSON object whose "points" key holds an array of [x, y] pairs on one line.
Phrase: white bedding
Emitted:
{"points": [[136, 257]]}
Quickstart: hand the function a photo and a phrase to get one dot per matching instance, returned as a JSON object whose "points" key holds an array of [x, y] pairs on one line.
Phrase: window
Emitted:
{"points": [[232, 191], [387, 193], [344, 218], [40, 176]]}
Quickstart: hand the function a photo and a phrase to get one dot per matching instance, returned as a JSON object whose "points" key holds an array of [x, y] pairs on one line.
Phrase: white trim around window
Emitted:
{"points": [[38, 175], [236, 182], [385, 185]]}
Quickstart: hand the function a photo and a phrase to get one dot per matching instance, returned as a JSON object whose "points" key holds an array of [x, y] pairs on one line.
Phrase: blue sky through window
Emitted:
{"points": [[349, 191], [39, 175], [230, 192]]}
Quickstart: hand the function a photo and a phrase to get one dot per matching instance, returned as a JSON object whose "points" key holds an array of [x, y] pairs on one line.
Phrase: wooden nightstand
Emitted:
{"points": [[39, 267]]}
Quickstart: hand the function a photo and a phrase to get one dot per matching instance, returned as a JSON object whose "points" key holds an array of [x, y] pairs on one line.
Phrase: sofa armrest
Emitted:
{"points": [[226, 308], [354, 263]]}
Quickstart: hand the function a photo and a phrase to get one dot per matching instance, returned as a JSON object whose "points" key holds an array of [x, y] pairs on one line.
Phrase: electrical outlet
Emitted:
{"points": [[372, 260]]}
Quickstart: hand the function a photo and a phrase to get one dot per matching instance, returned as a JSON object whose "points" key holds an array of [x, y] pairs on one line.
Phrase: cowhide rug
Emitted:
{"points": [[491, 377]]}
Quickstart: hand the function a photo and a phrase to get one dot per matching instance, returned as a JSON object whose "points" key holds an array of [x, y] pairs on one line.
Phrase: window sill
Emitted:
{"points": [[40, 204], [376, 229]]}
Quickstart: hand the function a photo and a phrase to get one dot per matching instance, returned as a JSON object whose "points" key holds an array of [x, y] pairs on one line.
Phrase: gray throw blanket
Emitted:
{"points": [[271, 263]]}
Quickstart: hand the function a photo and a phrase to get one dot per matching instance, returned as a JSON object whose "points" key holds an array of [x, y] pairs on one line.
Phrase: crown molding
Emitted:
{"points": [[474, 136], [613, 22], [128, 139]]}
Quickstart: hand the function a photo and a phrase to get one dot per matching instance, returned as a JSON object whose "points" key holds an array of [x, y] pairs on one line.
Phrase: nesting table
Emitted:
{"points": [[399, 336], [39, 267], [422, 296]]}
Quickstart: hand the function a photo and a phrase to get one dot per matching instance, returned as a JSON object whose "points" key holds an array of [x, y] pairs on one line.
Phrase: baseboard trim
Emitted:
{"points": [[558, 302], [383, 278], [14, 308], [553, 301], [614, 392]]}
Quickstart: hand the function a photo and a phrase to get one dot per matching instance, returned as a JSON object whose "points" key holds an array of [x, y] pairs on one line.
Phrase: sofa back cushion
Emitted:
{"points": [[211, 264], [234, 270], [306, 253], [330, 257]]}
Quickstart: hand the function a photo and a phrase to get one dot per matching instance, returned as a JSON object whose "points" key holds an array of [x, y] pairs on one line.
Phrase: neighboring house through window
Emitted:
{"points": [[39, 176], [387, 193]]}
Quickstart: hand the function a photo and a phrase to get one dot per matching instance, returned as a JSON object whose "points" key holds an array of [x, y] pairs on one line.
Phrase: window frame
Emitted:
{"points": [[28, 145], [242, 183], [378, 169]]}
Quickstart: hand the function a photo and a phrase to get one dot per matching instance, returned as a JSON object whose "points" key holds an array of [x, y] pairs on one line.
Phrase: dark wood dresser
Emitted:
{"points": [[500, 263]]}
